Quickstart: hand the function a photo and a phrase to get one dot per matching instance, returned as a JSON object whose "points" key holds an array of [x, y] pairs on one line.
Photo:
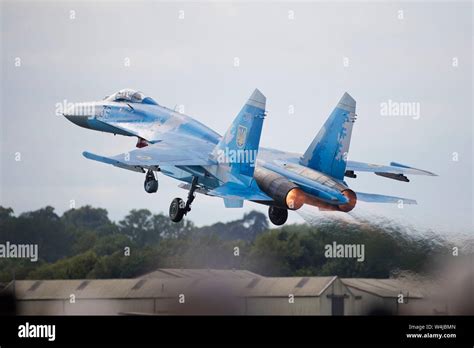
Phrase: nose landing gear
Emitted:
{"points": [[178, 208], [151, 184]]}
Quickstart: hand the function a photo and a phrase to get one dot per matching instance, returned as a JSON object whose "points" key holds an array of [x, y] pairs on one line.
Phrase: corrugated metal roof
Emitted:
{"points": [[46, 289], [283, 286], [156, 288], [164, 273], [241, 283], [119, 288], [384, 287]]}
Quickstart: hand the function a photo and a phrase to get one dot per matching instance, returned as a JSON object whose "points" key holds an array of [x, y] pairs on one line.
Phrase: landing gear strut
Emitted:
{"points": [[278, 216], [178, 208], [151, 184]]}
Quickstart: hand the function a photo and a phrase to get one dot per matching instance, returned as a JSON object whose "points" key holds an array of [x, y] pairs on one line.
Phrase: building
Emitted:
{"points": [[384, 296], [239, 292]]}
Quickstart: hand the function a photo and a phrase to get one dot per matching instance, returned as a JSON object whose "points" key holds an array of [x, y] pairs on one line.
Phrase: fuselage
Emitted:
{"points": [[151, 123]]}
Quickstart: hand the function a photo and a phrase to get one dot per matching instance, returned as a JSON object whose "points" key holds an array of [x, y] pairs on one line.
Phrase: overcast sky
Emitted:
{"points": [[185, 54]]}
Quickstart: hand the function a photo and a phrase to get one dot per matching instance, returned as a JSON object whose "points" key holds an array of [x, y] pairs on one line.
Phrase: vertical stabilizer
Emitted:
{"points": [[238, 147], [328, 150]]}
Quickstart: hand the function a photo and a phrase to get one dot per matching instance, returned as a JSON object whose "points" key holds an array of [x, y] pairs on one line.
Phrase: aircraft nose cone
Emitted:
{"points": [[81, 121], [80, 113]]}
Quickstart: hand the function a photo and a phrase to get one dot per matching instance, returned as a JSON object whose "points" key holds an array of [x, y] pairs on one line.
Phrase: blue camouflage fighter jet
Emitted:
{"points": [[234, 166]]}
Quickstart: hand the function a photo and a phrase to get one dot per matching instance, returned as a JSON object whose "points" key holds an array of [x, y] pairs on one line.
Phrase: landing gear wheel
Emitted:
{"points": [[278, 216], [177, 210], [151, 184]]}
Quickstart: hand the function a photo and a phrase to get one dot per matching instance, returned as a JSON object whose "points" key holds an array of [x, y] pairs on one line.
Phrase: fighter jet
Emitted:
{"points": [[234, 167]]}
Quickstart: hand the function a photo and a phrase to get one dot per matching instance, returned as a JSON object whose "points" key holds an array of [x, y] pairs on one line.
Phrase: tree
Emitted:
{"points": [[248, 228], [44, 228], [76, 267], [5, 214], [108, 245], [90, 219], [85, 243], [136, 224], [170, 229]]}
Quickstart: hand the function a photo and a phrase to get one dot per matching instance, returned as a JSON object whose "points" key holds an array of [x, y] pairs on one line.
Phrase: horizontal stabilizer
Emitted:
{"points": [[420, 171], [375, 198], [393, 168]]}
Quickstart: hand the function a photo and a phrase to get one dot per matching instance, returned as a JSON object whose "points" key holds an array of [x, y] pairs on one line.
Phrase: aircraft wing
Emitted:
{"points": [[394, 171], [174, 151]]}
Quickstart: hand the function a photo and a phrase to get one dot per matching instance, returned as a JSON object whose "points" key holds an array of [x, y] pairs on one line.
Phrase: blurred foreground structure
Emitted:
{"points": [[233, 292]]}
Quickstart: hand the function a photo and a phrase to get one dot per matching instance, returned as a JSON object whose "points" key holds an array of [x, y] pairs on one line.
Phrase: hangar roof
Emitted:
{"points": [[383, 287], [282, 286], [119, 288], [199, 273], [168, 283], [169, 287]]}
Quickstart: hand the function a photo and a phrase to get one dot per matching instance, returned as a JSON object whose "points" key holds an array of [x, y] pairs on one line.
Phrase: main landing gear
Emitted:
{"points": [[178, 208], [278, 216], [151, 184]]}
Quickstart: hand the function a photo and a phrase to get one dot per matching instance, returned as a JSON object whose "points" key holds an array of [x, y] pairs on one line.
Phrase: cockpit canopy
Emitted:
{"points": [[131, 96]]}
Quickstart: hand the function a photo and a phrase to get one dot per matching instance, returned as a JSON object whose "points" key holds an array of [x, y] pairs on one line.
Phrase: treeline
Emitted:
{"points": [[85, 243]]}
